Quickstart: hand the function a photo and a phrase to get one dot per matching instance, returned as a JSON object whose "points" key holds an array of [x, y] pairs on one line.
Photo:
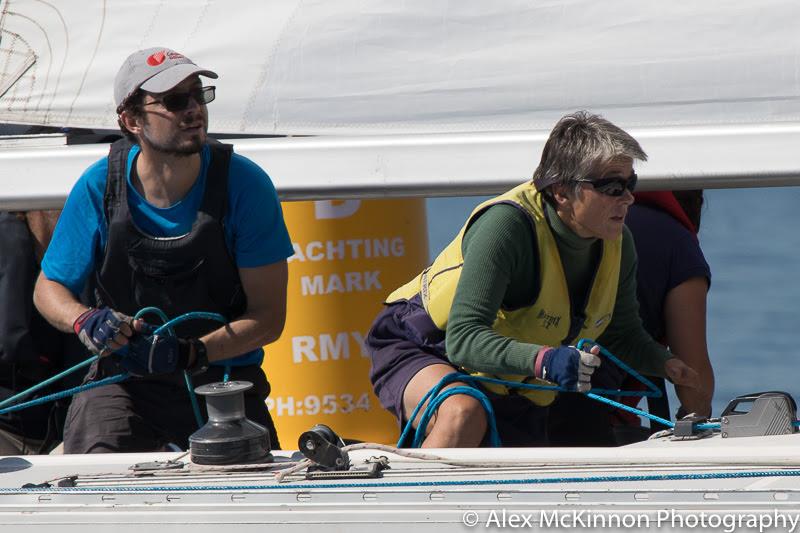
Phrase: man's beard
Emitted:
{"points": [[193, 146]]}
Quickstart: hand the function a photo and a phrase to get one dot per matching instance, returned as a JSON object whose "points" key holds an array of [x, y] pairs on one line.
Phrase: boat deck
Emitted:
{"points": [[759, 475]]}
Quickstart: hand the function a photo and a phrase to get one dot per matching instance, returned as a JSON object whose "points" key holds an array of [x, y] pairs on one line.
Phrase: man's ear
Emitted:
{"points": [[132, 123]]}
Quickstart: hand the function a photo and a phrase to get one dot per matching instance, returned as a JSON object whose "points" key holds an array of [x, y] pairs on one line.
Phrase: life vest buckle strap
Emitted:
{"points": [[424, 288]]}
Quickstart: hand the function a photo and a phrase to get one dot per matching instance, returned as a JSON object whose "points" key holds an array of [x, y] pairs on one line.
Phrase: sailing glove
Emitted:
{"points": [[97, 327], [566, 366], [608, 375], [150, 354]]}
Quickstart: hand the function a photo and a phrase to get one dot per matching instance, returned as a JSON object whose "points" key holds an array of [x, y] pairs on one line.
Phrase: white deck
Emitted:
{"points": [[645, 483]]}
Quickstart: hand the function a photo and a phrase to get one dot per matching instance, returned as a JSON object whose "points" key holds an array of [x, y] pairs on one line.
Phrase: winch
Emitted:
{"points": [[759, 414], [228, 437]]}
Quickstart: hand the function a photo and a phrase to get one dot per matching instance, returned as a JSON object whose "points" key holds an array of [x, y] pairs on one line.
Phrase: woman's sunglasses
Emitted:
{"points": [[613, 186], [174, 102]]}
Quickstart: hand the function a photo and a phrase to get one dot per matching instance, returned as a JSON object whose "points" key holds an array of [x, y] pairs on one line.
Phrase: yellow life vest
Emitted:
{"points": [[548, 321]]}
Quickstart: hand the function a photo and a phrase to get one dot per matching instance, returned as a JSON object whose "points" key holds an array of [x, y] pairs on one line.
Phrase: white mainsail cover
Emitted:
{"points": [[422, 95], [293, 67]]}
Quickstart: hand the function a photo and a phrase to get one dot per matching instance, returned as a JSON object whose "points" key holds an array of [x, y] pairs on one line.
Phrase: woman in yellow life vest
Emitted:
{"points": [[531, 272]]}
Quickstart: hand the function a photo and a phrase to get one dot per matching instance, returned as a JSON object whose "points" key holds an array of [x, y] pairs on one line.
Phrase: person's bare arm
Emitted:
{"points": [[57, 304], [61, 308], [41, 225], [264, 319], [685, 320]]}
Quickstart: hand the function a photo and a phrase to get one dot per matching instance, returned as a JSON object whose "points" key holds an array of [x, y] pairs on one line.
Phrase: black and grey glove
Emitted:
{"points": [[97, 327], [150, 354]]}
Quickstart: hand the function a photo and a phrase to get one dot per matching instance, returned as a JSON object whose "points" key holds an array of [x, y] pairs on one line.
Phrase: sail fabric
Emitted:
{"points": [[355, 67]]}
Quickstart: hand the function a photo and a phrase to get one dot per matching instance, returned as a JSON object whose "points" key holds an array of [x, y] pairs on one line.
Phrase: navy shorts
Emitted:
{"points": [[403, 340]]}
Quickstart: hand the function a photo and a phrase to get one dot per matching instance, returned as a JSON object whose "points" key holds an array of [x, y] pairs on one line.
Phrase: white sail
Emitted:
{"points": [[354, 67], [422, 97]]}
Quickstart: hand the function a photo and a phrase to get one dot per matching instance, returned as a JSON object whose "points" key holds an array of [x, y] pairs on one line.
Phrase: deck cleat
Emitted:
{"points": [[686, 428], [150, 467]]}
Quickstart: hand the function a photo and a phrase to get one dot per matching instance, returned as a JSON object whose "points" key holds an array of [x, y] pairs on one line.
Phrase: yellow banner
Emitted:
{"points": [[349, 255]]}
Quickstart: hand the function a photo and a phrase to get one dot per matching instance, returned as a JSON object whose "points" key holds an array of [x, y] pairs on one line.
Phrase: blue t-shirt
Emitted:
{"points": [[668, 254], [255, 231]]}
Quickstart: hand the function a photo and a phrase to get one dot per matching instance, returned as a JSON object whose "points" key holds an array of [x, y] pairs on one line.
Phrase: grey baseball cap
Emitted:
{"points": [[154, 70]]}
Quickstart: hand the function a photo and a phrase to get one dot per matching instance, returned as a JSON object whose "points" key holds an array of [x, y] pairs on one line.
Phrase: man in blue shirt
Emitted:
{"points": [[172, 220]]}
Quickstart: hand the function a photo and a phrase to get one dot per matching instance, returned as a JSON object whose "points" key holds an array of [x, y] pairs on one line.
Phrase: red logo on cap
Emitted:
{"points": [[156, 59]]}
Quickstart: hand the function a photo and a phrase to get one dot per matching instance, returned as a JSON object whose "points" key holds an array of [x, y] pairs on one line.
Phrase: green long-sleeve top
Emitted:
{"points": [[500, 262]]}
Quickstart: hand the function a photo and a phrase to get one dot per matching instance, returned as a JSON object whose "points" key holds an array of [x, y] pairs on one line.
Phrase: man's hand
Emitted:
{"points": [[680, 373], [567, 366], [104, 330], [156, 354]]}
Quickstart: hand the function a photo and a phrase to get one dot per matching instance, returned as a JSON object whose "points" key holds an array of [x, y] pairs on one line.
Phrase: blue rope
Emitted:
{"points": [[432, 483], [717, 425], [630, 409], [167, 325], [154, 310], [446, 380], [66, 393], [198, 417], [194, 315], [435, 393], [46, 382], [654, 391], [494, 435], [583, 344]]}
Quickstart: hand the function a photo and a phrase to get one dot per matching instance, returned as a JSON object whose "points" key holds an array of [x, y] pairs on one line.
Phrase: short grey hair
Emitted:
{"points": [[579, 144]]}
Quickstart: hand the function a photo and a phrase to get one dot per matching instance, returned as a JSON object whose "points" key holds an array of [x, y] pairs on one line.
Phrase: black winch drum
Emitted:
{"points": [[228, 437]]}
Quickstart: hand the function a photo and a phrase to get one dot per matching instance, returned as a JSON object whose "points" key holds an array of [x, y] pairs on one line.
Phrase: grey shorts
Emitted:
{"points": [[146, 414]]}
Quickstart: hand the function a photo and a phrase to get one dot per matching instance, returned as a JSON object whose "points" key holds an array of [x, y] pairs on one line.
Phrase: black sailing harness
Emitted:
{"points": [[176, 274]]}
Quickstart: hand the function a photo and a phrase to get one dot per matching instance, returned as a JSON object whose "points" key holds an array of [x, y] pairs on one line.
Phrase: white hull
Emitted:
{"points": [[648, 485]]}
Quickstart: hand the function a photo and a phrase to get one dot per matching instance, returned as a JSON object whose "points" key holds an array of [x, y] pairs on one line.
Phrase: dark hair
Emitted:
{"points": [[133, 106], [580, 143], [692, 204]]}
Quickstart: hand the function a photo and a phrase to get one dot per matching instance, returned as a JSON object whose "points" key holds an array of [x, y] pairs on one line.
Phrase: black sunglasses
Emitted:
{"points": [[174, 102], [615, 186]]}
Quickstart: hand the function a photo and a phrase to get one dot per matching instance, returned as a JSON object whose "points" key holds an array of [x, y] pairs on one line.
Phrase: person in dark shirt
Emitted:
{"points": [[30, 349], [672, 283]]}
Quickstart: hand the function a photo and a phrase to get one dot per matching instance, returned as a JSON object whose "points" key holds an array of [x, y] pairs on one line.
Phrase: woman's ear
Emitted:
{"points": [[561, 194]]}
